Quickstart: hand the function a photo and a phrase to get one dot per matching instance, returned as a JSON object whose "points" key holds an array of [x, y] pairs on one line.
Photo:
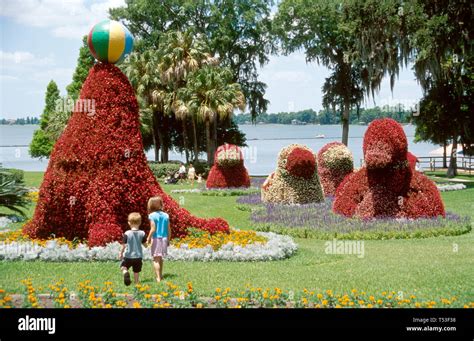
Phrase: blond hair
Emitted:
{"points": [[135, 219], [155, 204]]}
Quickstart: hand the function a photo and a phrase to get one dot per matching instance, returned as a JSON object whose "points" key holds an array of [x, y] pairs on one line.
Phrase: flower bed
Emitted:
{"points": [[173, 296], [450, 187], [236, 246], [218, 192], [319, 221]]}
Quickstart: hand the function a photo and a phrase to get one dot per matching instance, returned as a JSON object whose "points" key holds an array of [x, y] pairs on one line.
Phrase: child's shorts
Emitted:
{"points": [[134, 263]]}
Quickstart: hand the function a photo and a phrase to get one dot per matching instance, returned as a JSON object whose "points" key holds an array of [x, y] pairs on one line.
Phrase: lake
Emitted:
{"points": [[264, 142]]}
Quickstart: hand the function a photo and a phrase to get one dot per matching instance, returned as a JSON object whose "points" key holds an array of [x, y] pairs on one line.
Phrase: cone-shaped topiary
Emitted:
{"points": [[98, 173], [296, 180], [387, 186], [412, 160], [334, 163], [228, 169]]}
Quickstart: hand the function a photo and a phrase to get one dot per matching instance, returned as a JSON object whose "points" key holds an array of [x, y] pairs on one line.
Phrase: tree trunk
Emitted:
{"points": [[156, 135], [195, 141], [208, 142], [214, 135], [445, 162], [452, 170], [345, 122], [185, 140]]}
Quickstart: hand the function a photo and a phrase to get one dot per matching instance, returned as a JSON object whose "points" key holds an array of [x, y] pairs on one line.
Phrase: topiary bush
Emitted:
{"points": [[387, 186], [228, 169], [412, 160], [334, 163], [296, 180], [98, 172]]}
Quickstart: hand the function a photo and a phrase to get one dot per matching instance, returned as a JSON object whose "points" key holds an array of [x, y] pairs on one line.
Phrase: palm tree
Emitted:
{"points": [[211, 95], [183, 53], [13, 194], [142, 69]]}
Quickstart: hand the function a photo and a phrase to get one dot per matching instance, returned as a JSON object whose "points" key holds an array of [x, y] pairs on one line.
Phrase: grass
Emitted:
{"points": [[429, 268], [442, 175]]}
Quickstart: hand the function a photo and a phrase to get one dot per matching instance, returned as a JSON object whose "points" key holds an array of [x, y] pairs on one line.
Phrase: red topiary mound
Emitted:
{"points": [[334, 163], [387, 186], [228, 169], [98, 173], [412, 160], [301, 162]]}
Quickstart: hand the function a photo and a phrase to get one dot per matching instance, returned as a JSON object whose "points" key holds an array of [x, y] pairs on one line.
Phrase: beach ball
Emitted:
{"points": [[109, 41]]}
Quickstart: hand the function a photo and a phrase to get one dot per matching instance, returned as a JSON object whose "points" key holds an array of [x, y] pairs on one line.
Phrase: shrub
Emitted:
{"points": [[387, 186], [202, 168], [162, 170], [334, 163], [228, 169], [296, 180], [98, 172]]}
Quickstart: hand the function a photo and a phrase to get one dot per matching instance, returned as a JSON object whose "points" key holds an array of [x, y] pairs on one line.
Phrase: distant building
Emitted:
{"points": [[298, 122]]}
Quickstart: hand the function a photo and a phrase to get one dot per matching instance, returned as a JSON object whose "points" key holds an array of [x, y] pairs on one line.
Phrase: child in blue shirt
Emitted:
{"points": [[160, 234]]}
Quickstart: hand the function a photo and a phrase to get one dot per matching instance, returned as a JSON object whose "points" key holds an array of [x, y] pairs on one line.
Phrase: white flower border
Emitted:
{"points": [[277, 247], [451, 187]]}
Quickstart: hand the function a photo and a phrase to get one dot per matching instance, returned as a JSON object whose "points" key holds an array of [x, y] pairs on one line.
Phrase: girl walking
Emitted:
{"points": [[160, 234]]}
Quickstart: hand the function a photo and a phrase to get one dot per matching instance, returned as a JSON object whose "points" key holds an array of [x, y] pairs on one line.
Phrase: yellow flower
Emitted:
{"points": [[136, 305]]}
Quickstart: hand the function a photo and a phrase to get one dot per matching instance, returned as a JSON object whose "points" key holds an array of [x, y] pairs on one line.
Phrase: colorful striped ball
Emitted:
{"points": [[109, 41]]}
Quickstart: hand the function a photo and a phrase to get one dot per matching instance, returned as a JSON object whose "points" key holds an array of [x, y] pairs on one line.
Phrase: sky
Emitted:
{"points": [[40, 41]]}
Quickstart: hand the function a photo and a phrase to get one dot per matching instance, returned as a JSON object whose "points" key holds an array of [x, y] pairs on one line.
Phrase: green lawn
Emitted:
{"points": [[428, 268]]}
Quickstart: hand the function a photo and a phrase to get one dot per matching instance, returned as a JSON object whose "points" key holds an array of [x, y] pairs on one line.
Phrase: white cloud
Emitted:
{"points": [[5, 78], [23, 58], [64, 18], [60, 75]]}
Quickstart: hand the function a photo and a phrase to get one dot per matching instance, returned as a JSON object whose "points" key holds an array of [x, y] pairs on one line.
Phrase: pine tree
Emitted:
{"points": [[41, 145]]}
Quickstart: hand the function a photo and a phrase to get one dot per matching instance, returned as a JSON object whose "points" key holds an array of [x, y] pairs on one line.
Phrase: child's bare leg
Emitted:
{"points": [[157, 263], [126, 276], [136, 276], [161, 267]]}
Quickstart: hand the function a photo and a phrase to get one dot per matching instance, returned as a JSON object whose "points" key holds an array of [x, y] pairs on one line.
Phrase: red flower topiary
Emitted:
{"points": [[335, 162], [228, 169], [412, 160], [387, 186], [98, 172], [301, 162]]}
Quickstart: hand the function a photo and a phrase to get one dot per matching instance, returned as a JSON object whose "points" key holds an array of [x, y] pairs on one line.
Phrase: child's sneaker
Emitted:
{"points": [[126, 278]]}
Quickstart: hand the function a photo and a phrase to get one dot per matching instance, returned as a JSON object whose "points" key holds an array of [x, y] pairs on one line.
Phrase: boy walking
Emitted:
{"points": [[131, 253]]}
